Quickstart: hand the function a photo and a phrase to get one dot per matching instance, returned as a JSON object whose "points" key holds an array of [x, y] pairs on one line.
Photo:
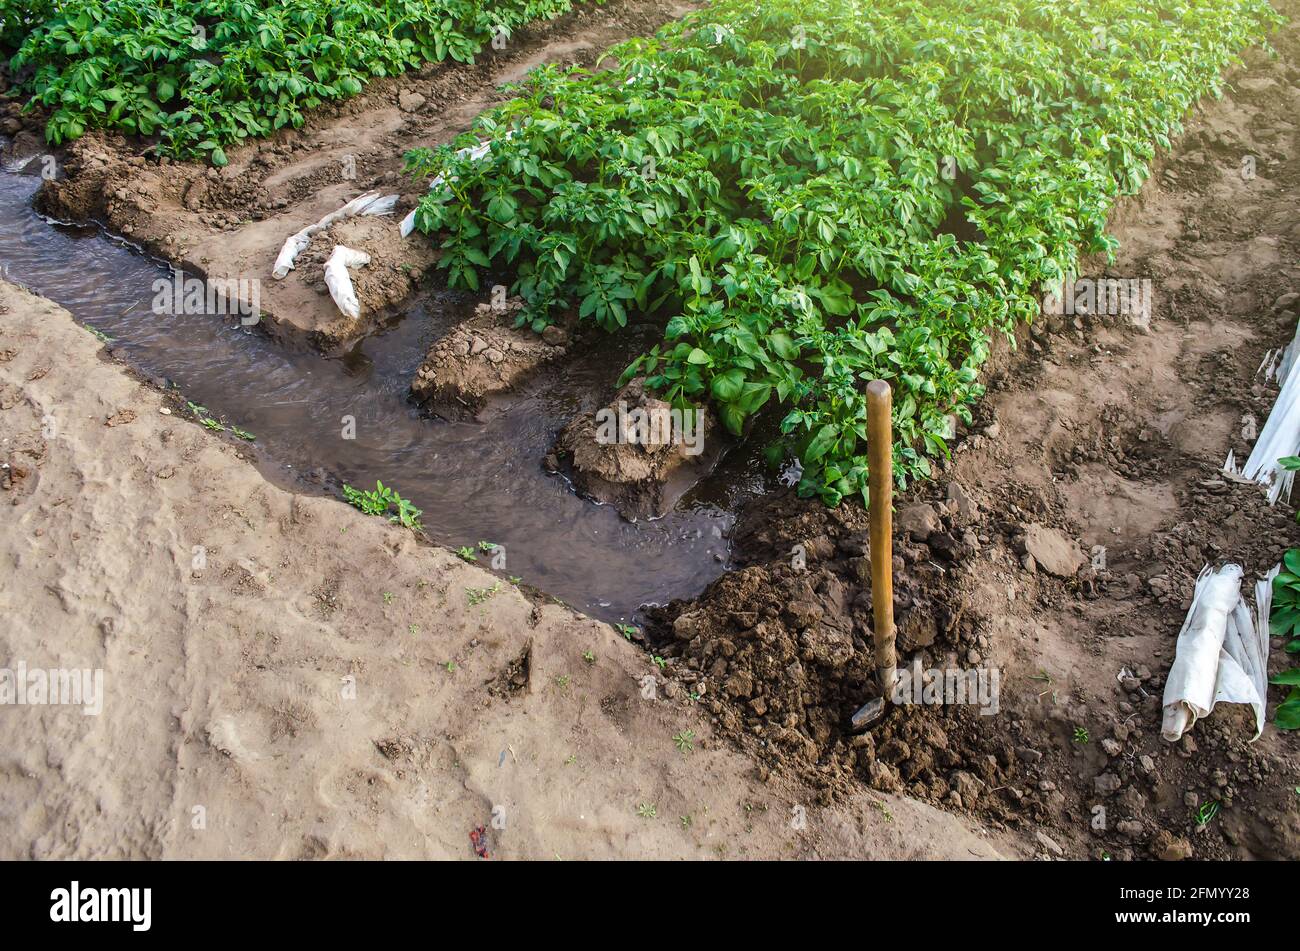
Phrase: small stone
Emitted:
{"points": [[494, 355], [1130, 828], [555, 336], [919, 521], [1053, 551], [1107, 784], [1170, 848], [803, 613], [686, 626], [966, 506], [968, 786], [739, 684], [1286, 300], [1048, 842], [882, 776], [411, 101], [944, 545]]}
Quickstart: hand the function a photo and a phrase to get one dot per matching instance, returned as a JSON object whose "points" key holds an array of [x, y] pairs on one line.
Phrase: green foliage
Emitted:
{"points": [[382, 499], [202, 74], [1291, 464], [1284, 621], [771, 178], [477, 596], [1284, 618]]}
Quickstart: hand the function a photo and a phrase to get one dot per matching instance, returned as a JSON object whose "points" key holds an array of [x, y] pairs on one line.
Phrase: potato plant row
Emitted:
{"points": [[810, 196], [202, 74]]}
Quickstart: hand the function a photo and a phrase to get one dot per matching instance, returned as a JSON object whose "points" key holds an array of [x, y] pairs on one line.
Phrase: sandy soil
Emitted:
{"points": [[292, 696], [229, 223]]}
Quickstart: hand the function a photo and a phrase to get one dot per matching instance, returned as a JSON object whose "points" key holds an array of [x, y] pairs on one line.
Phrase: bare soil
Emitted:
{"points": [[484, 357], [643, 468]]}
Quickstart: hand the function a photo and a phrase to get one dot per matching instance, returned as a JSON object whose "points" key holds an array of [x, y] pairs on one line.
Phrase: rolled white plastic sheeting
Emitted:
{"points": [[1281, 433], [1222, 652], [339, 281], [368, 204], [474, 152]]}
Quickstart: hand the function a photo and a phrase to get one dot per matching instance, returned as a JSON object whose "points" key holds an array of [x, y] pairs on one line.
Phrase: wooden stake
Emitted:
{"points": [[880, 459]]}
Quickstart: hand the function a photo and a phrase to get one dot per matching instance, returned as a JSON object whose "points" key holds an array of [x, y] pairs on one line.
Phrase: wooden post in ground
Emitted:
{"points": [[880, 459]]}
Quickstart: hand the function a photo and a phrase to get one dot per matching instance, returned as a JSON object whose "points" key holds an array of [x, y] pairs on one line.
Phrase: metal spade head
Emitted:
{"points": [[871, 713]]}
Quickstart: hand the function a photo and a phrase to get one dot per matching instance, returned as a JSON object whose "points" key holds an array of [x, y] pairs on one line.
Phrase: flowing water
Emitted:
{"points": [[474, 480]]}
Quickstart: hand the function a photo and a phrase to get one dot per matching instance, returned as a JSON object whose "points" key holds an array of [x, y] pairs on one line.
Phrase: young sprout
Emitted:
{"points": [[1205, 815]]}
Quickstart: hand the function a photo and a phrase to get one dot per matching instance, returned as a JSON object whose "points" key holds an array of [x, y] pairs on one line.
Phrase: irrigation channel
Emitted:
{"points": [[475, 480]]}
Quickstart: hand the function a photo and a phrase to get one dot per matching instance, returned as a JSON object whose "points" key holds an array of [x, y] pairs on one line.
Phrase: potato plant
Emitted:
{"points": [[811, 196], [202, 74]]}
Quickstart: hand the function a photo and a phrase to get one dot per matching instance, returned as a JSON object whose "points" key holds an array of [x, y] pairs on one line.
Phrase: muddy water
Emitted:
{"points": [[474, 480]]}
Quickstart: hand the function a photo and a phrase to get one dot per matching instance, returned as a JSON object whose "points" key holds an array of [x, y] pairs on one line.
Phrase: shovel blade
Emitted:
{"points": [[869, 715]]}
